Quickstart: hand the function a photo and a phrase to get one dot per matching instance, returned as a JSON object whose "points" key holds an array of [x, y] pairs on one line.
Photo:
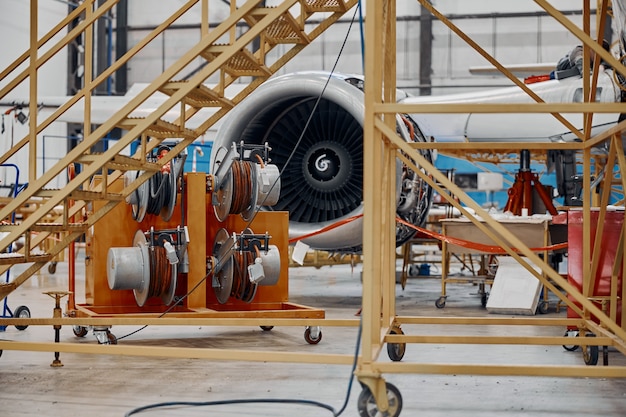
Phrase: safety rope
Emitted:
{"points": [[481, 247]]}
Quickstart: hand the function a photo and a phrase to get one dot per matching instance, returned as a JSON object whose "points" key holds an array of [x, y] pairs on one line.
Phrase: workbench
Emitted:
{"points": [[534, 231]]}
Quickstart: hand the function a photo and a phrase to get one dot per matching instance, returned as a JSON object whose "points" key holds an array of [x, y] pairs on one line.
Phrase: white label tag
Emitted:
{"points": [[299, 252]]}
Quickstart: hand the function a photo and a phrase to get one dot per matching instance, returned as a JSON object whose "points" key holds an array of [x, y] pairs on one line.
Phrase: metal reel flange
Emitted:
{"points": [[223, 277], [142, 293], [168, 296], [138, 199], [177, 169], [222, 199]]}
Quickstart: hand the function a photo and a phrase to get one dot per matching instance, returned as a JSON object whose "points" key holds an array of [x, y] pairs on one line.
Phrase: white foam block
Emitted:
{"points": [[515, 290]]}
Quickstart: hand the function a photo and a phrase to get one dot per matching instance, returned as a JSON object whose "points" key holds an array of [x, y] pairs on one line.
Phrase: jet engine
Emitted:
{"points": [[313, 123]]}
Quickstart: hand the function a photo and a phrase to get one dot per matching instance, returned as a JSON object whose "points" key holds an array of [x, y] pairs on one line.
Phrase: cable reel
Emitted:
{"points": [[243, 180], [157, 195], [150, 267], [241, 263]]}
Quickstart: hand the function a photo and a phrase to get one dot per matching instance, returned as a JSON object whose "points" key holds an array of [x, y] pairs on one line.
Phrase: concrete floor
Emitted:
{"points": [[103, 385]]}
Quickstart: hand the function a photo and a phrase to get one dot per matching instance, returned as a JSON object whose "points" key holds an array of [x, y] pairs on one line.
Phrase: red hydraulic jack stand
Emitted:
{"points": [[521, 193]]}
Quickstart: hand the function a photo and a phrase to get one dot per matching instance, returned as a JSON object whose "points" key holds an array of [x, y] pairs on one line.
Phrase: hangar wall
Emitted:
{"points": [[514, 32]]}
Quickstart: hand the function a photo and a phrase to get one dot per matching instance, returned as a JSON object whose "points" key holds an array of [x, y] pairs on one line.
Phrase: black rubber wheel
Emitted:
{"points": [[396, 350], [310, 339], [52, 267], [571, 333], [22, 312], [266, 328], [543, 307], [111, 339], [483, 299], [590, 353], [441, 302], [366, 404], [79, 331]]}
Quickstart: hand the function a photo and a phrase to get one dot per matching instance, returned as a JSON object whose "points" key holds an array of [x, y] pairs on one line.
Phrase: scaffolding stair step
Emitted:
{"points": [[284, 30], [200, 96], [19, 258], [242, 63], [160, 129], [48, 227], [80, 195], [312, 6], [120, 162]]}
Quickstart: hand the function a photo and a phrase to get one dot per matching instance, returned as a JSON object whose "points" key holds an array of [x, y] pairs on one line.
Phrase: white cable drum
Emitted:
{"points": [[125, 268], [271, 266], [268, 182]]}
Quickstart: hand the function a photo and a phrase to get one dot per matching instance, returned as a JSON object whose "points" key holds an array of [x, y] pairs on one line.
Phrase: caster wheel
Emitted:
{"points": [[111, 339], [590, 353], [543, 307], [396, 350], [79, 331], [266, 328], [367, 407], [313, 335], [22, 312], [52, 267], [441, 302], [483, 299], [0, 353], [571, 333]]}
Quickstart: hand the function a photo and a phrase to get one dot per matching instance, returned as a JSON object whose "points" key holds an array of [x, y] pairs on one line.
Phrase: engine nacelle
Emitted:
{"points": [[314, 125]]}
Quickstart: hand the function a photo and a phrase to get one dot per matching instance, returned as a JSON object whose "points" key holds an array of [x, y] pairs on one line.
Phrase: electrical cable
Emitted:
{"points": [[159, 186], [358, 341], [334, 412]]}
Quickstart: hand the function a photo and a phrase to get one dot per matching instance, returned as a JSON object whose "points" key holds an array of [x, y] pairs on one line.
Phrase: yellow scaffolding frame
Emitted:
{"points": [[382, 146], [381, 324]]}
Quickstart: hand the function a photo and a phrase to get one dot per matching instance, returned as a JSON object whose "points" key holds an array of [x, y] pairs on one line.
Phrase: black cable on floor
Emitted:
{"points": [[312, 403], [230, 402]]}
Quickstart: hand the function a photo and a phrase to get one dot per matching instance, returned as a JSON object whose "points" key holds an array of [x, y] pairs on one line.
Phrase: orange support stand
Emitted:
{"points": [[522, 190]]}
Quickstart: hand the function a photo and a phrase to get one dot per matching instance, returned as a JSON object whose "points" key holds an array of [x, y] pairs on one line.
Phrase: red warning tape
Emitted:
{"points": [[493, 249]]}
